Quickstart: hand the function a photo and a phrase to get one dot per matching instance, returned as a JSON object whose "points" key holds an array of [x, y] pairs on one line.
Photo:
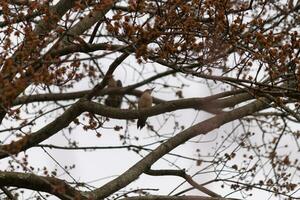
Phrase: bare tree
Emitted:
{"points": [[58, 57]]}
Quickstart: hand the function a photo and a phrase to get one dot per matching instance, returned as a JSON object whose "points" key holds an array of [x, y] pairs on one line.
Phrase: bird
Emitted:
{"points": [[145, 101], [114, 100]]}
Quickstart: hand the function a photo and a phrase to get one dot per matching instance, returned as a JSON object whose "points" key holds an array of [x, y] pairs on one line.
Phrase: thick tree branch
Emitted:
{"points": [[50, 185], [206, 103], [73, 48]]}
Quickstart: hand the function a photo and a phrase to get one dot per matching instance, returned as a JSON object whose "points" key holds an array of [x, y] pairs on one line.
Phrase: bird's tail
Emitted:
{"points": [[141, 123]]}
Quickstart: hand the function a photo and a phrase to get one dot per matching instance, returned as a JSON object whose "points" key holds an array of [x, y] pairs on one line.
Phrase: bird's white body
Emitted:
{"points": [[145, 101]]}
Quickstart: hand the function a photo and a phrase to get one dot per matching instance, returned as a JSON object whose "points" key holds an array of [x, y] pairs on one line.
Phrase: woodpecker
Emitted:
{"points": [[145, 101], [114, 100]]}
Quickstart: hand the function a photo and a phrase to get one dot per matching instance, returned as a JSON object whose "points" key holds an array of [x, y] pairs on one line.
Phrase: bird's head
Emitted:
{"points": [[149, 90], [119, 83]]}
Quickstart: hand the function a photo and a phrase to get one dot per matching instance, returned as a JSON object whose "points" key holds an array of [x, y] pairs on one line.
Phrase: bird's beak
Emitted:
{"points": [[152, 89]]}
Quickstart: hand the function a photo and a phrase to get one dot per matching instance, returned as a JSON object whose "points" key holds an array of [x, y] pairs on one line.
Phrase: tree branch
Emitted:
{"points": [[50, 185], [182, 174], [8, 193]]}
